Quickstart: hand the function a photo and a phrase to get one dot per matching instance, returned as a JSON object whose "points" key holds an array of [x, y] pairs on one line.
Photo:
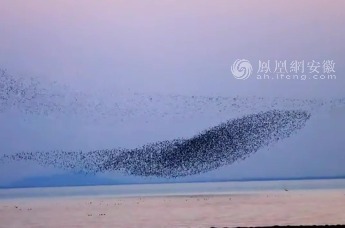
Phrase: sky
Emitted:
{"points": [[172, 48]]}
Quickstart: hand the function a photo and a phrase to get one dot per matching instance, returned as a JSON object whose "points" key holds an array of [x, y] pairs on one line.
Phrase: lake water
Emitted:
{"points": [[234, 187]]}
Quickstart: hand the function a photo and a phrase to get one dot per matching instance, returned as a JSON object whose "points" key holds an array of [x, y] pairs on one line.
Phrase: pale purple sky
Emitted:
{"points": [[176, 47]]}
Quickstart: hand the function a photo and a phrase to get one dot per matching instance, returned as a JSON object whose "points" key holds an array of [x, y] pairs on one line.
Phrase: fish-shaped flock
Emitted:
{"points": [[215, 147]]}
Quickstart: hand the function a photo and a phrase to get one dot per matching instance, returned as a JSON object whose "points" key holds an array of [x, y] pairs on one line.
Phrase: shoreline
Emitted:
{"points": [[177, 195], [264, 208]]}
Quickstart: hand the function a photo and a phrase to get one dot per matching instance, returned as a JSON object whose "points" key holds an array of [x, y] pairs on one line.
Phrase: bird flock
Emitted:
{"points": [[42, 98], [218, 146], [232, 140]]}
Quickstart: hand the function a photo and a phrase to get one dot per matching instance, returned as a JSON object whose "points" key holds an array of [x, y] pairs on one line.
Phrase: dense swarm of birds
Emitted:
{"points": [[233, 140], [218, 146]]}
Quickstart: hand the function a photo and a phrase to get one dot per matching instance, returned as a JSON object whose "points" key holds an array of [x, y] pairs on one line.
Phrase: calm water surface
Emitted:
{"points": [[234, 187]]}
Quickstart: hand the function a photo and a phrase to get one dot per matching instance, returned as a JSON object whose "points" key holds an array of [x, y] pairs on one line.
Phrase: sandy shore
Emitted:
{"points": [[250, 209]]}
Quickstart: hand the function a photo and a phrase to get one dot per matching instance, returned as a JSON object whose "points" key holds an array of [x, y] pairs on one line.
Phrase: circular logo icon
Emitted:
{"points": [[241, 69]]}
